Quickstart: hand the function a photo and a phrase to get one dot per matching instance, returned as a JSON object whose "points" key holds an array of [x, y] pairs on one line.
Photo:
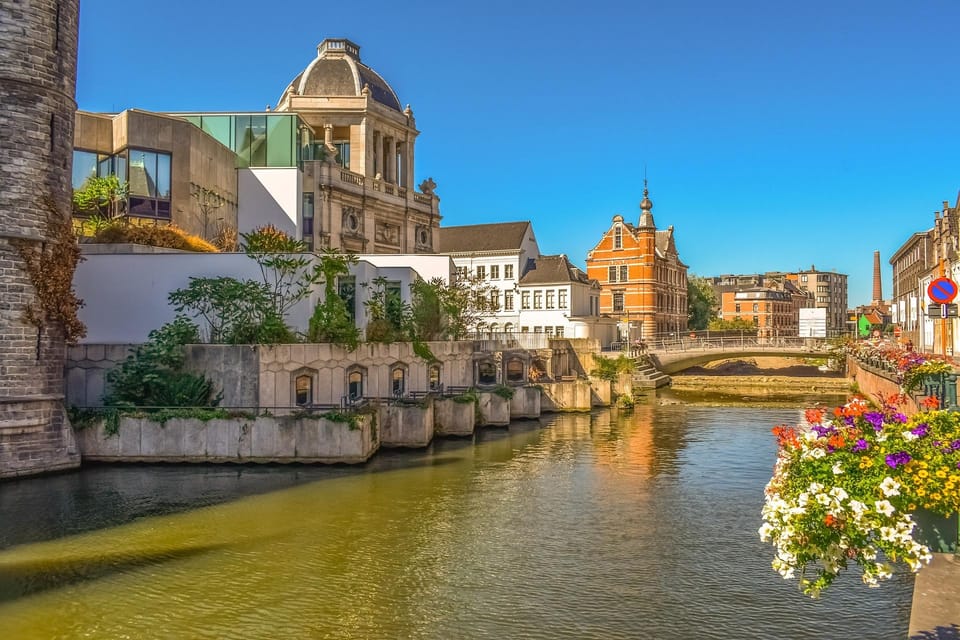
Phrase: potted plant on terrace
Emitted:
{"points": [[846, 490]]}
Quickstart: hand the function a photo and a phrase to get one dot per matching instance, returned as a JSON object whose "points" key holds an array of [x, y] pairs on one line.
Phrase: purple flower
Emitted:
{"points": [[898, 417], [821, 431], [920, 430], [955, 445], [861, 445], [874, 418], [894, 460]]}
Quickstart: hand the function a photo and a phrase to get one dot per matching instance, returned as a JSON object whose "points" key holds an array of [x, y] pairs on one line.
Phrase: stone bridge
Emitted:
{"points": [[677, 355]]}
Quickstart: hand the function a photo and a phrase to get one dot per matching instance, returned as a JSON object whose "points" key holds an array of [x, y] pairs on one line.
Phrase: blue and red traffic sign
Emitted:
{"points": [[942, 290]]}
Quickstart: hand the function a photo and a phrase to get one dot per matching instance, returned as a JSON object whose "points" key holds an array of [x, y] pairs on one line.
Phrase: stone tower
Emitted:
{"points": [[877, 285], [647, 237], [38, 72]]}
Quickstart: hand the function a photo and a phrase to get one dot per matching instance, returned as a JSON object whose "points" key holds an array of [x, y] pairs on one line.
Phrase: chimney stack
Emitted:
{"points": [[877, 287]]}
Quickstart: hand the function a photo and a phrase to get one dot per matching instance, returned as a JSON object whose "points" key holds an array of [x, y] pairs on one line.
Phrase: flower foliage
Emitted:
{"points": [[910, 366], [845, 487]]}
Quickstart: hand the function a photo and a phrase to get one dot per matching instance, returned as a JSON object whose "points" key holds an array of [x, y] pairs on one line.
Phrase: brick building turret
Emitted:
{"points": [[38, 69], [643, 281]]}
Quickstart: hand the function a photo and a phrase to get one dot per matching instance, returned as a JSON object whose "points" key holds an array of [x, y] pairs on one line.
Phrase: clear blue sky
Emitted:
{"points": [[776, 135]]}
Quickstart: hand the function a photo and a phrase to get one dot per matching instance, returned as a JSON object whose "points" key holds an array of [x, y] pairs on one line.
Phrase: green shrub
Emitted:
{"points": [[152, 375]]}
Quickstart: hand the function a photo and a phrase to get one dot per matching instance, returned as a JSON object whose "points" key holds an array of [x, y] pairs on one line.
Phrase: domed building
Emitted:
{"points": [[358, 171]]}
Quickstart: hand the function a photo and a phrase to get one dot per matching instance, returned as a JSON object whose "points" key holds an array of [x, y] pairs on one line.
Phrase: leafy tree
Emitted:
{"points": [[426, 312], [229, 307], [287, 271], [737, 324], [464, 303], [101, 196], [153, 376], [331, 321], [702, 303], [388, 316]]}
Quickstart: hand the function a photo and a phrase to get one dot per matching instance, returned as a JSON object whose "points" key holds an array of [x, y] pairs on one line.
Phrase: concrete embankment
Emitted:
{"points": [[762, 386]]}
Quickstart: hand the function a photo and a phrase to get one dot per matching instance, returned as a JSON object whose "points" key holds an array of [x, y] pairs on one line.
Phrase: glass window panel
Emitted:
{"points": [[355, 385], [280, 141], [434, 378], [163, 175], [163, 208], [347, 290], [120, 165], [243, 138], [143, 169], [84, 166], [142, 206], [219, 128], [258, 141], [515, 371], [398, 375], [304, 390]]}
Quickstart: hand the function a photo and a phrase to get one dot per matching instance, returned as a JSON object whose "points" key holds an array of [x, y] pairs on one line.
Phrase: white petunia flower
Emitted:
{"points": [[884, 507], [890, 487], [837, 469]]}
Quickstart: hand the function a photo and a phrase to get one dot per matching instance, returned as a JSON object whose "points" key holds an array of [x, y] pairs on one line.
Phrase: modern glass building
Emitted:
{"points": [[258, 139]]}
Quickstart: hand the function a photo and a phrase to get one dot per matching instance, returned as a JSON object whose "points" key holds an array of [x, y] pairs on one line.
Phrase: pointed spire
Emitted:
{"points": [[646, 208]]}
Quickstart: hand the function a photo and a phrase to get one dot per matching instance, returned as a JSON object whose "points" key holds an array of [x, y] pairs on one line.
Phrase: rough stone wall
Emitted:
{"points": [[38, 55]]}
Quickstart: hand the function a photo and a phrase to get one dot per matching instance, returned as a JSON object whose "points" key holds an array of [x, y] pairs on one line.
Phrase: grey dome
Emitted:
{"points": [[338, 72]]}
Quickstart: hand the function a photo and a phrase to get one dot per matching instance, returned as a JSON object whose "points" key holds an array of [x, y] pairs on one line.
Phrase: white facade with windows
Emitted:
{"points": [[528, 292]]}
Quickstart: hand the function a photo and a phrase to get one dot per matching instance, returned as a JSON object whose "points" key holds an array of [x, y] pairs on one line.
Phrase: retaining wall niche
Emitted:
{"points": [[262, 439], [452, 418], [405, 425]]}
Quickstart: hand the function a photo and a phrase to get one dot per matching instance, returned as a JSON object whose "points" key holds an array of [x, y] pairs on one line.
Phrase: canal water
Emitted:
{"points": [[633, 525]]}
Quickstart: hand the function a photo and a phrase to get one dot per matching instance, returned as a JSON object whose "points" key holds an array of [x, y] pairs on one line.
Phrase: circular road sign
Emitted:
{"points": [[942, 290]]}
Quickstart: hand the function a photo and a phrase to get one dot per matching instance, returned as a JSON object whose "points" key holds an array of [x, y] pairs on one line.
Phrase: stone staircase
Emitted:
{"points": [[647, 376]]}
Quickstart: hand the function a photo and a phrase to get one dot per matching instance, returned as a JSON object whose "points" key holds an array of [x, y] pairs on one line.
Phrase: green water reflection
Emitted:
{"points": [[604, 526]]}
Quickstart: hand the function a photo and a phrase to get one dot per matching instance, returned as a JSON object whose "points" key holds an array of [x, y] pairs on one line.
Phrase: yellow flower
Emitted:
{"points": [[941, 473], [923, 464], [954, 478], [949, 485], [935, 497], [920, 492], [866, 462], [911, 507], [923, 473]]}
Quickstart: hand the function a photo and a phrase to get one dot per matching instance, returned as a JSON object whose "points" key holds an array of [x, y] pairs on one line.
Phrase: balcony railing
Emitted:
{"points": [[486, 341]]}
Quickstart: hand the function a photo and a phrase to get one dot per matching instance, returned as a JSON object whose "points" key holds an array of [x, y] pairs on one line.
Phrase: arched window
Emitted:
{"points": [[494, 327], [303, 386], [515, 370], [398, 381], [486, 372], [435, 378], [508, 327], [355, 385]]}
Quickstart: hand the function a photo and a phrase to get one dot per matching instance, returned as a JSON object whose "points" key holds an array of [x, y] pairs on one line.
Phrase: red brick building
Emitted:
{"points": [[643, 281]]}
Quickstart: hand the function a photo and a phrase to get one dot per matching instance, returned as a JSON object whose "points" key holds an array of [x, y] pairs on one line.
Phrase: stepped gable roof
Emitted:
{"points": [[498, 236], [337, 72], [554, 270]]}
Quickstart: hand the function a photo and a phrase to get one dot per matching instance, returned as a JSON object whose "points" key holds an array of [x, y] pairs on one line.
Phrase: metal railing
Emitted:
{"points": [[722, 343]]}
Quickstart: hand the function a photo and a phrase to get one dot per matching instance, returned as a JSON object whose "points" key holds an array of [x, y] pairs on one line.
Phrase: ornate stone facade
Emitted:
{"points": [[38, 56], [361, 176]]}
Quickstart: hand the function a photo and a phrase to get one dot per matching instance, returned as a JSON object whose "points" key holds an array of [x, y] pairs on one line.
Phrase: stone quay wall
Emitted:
{"points": [[874, 381], [38, 62], [260, 439]]}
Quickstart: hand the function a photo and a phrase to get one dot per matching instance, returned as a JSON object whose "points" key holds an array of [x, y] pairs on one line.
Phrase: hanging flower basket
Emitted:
{"points": [[846, 490]]}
